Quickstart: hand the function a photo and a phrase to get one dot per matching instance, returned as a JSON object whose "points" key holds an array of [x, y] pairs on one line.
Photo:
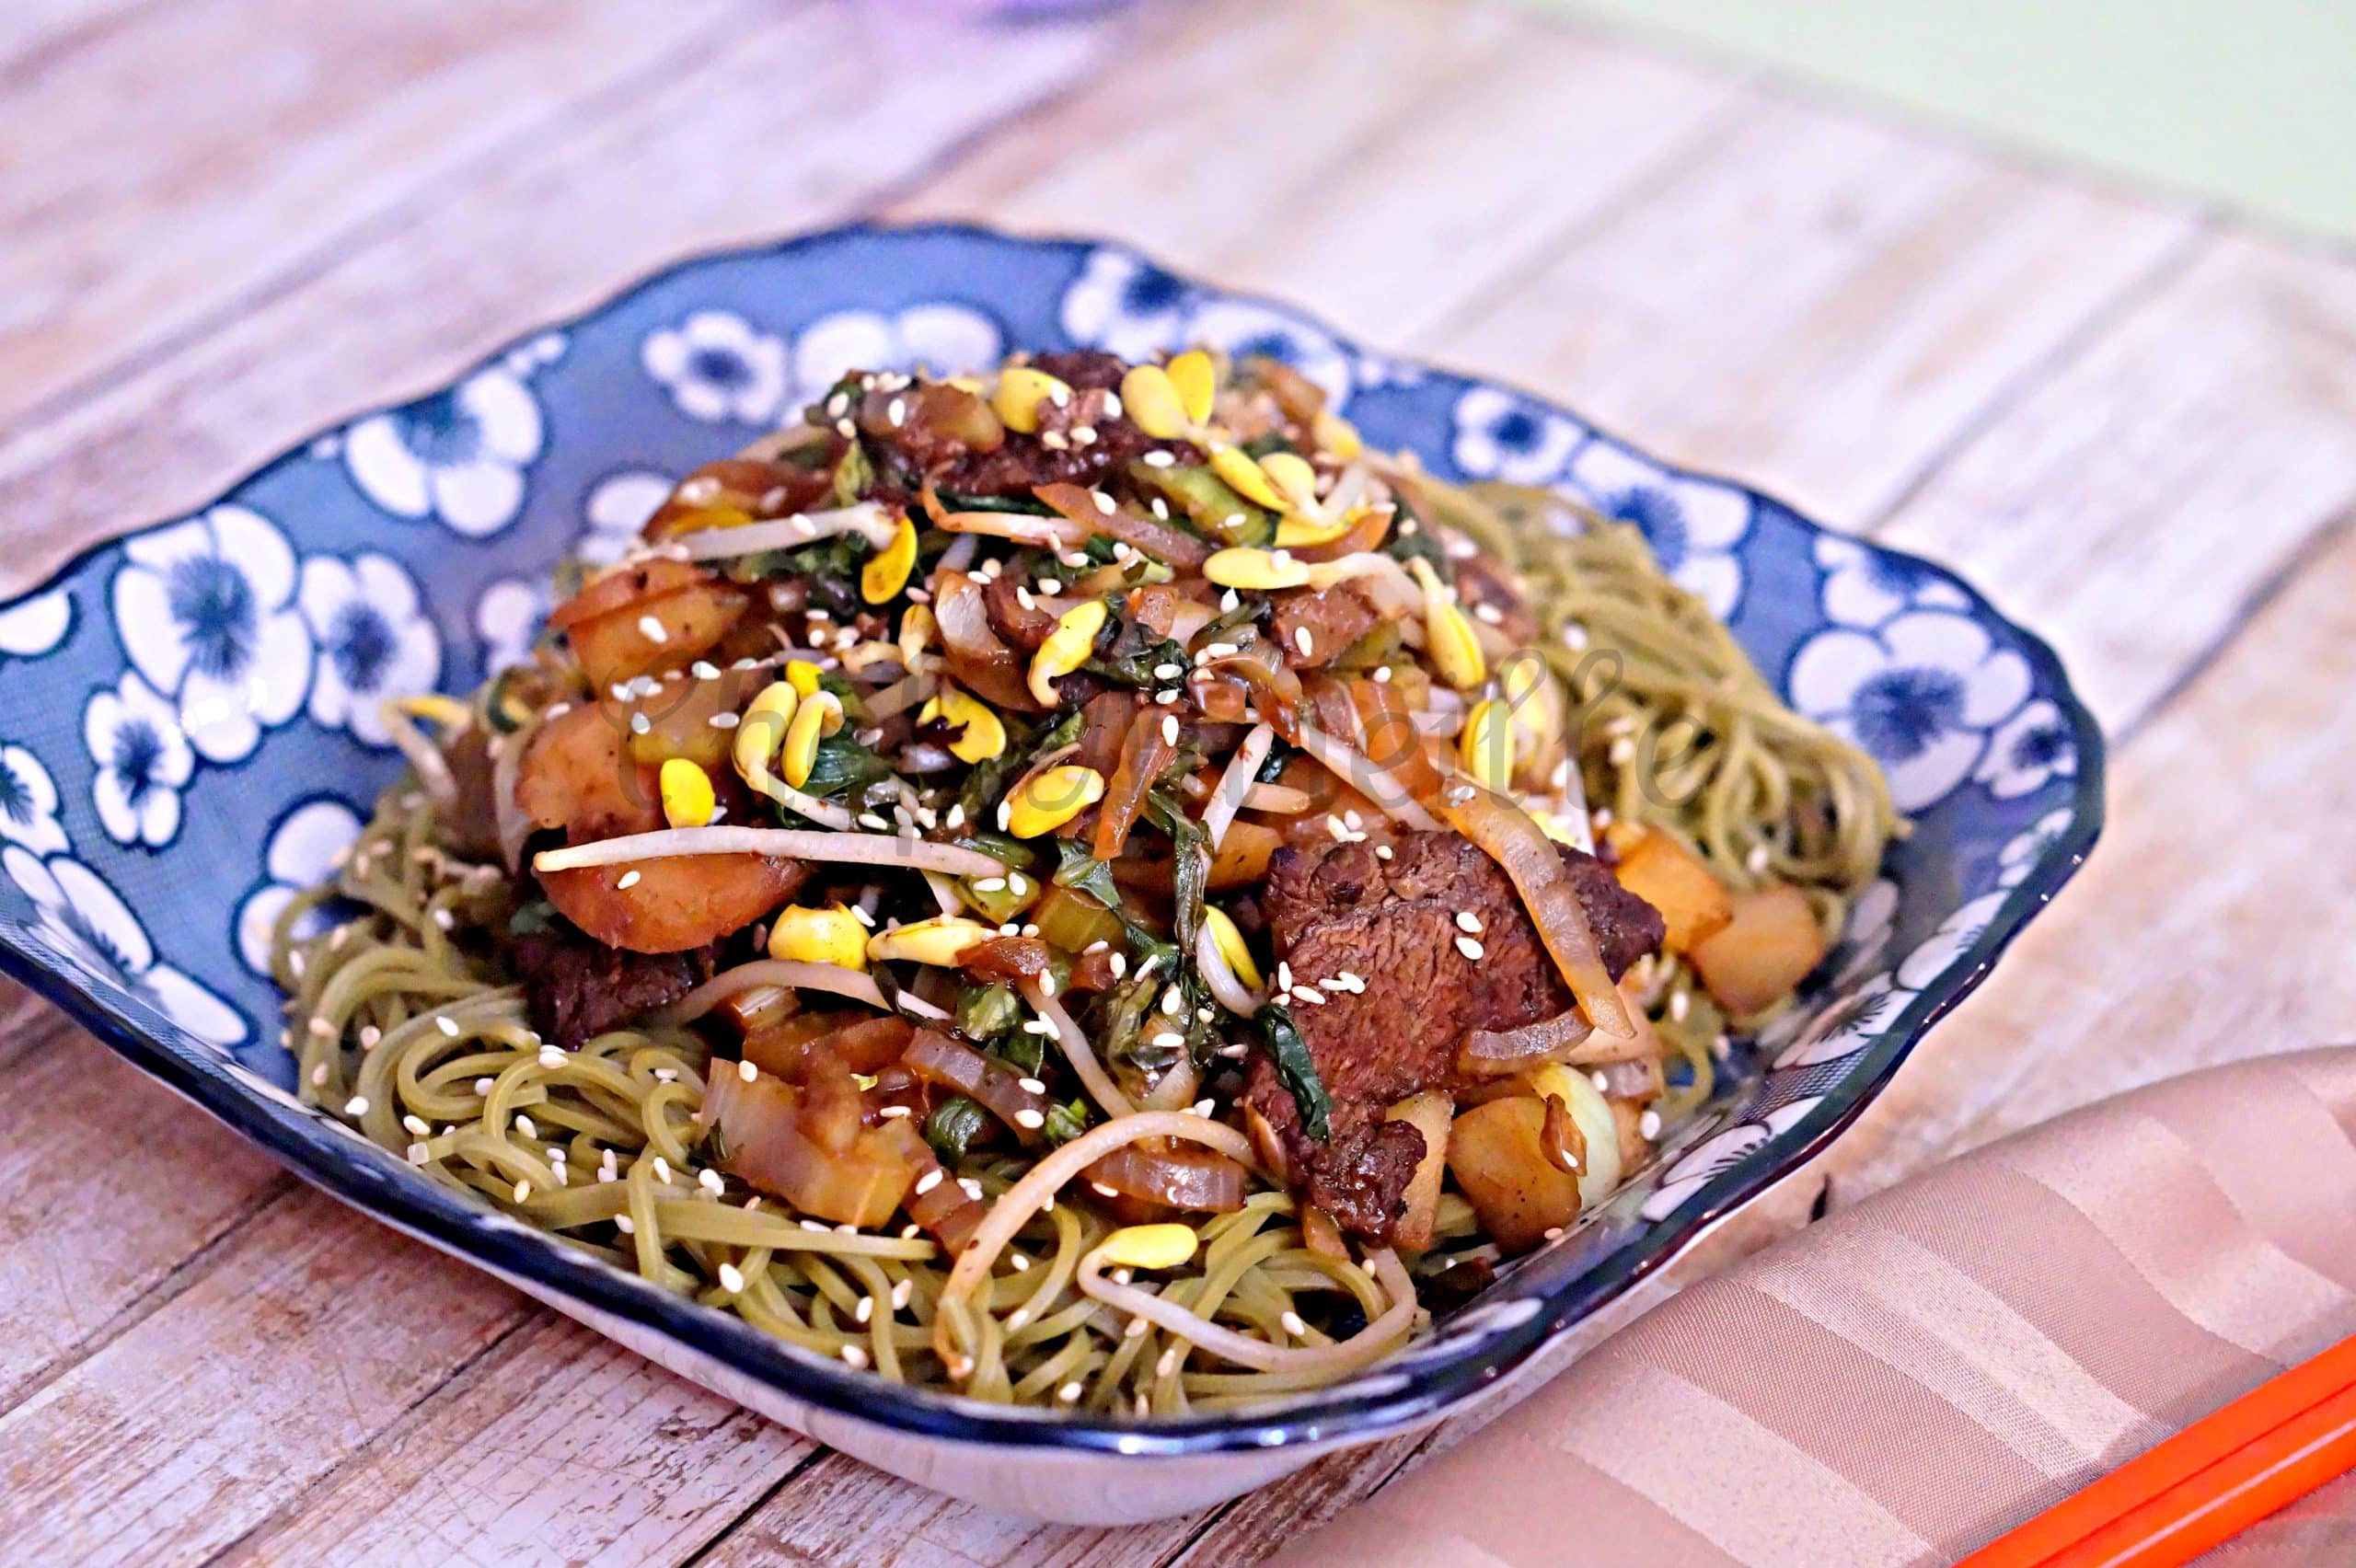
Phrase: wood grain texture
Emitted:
{"points": [[556, 1447], [2061, 390], [151, 1200], [325, 116], [311, 1336], [565, 215]]}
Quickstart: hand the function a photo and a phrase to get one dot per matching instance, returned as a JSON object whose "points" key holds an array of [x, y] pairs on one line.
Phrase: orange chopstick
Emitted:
{"points": [[2214, 1480]]}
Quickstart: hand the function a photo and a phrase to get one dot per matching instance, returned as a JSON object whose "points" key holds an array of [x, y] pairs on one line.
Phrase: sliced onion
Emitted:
{"points": [[1163, 542], [1534, 864], [1180, 1179], [782, 843], [1174, 1090], [1354, 767], [1502, 1052], [952, 1064], [830, 977], [866, 519]]}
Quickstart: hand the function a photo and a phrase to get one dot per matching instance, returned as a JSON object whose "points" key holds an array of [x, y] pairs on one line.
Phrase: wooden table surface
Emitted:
{"points": [[229, 221]]}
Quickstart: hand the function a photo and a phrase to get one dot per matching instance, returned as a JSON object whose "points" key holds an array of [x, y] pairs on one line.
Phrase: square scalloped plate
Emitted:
{"points": [[188, 733]]}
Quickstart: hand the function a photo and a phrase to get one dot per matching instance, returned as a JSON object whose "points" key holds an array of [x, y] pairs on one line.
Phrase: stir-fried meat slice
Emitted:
{"points": [[1378, 940], [576, 989], [1314, 627], [1015, 614], [1482, 582]]}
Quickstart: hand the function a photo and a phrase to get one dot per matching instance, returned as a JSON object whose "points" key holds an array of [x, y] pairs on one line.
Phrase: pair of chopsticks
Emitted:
{"points": [[2208, 1484]]}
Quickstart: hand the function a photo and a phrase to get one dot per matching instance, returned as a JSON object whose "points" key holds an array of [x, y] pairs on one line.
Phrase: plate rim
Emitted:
{"points": [[336, 1160]]}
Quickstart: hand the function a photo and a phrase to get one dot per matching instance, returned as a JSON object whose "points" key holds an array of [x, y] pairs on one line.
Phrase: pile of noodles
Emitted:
{"points": [[400, 1030]]}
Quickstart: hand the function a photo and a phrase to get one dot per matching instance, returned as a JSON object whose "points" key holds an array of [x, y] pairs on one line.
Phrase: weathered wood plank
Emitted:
{"points": [[788, 126], [311, 1332], [107, 1183], [2133, 503], [1377, 209], [1818, 304], [558, 1447], [163, 172]]}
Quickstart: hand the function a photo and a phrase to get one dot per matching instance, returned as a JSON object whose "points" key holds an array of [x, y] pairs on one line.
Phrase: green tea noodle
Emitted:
{"points": [[403, 1024]]}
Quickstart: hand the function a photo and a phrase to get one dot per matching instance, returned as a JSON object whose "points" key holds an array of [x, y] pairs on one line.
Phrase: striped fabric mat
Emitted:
{"points": [[1915, 1376]]}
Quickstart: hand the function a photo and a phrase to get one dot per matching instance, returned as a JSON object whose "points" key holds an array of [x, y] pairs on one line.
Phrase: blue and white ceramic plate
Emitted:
{"points": [[189, 733]]}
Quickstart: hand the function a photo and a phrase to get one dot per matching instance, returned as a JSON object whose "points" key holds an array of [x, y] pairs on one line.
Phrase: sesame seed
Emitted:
{"points": [[1136, 1329], [1021, 1266], [1756, 861], [1600, 1082], [551, 1057], [1293, 1325], [1468, 922], [865, 1311], [902, 1292], [1015, 885], [1489, 614], [1168, 672], [1070, 1393], [483, 1089], [625, 1225], [1382, 851], [1169, 728], [854, 1356], [1649, 1125], [1173, 1001], [356, 1106], [1083, 435], [417, 1125], [1103, 502], [710, 1182], [1031, 1085], [731, 1279], [1468, 948], [1104, 1191], [1679, 1003], [651, 629], [662, 1170], [526, 1126], [748, 1070], [1308, 994], [929, 1181], [523, 1190], [629, 879], [369, 1035], [1303, 640], [1159, 459], [973, 1188], [704, 670], [321, 1028], [1029, 1120], [1167, 1363], [891, 1112], [1553, 1233], [1119, 964]]}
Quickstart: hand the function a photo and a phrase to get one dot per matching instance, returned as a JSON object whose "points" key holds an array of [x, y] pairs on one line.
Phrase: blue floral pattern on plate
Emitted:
{"points": [[190, 731]]}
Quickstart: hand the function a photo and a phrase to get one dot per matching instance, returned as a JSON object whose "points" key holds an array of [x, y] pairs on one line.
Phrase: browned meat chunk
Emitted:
{"points": [[576, 989], [1484, 581], [1333, 618], [1378, 940], [1024, 626]]}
